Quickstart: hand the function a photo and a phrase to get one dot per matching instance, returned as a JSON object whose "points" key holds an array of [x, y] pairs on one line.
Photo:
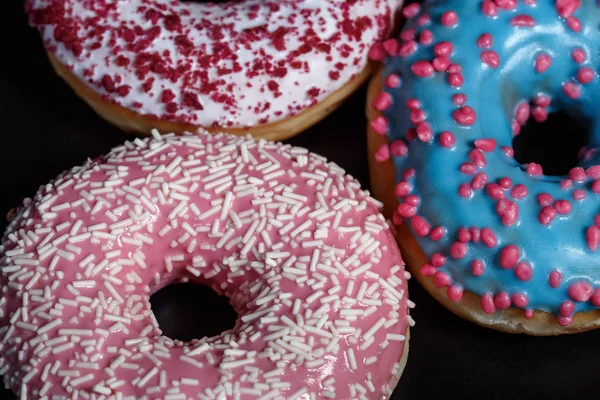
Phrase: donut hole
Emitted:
{"points": [[187, 311], [555, 144]]}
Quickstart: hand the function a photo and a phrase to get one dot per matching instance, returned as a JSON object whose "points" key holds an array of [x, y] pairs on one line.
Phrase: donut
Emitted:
{"points": [[495, 240], [302, 253], [267, 68]]}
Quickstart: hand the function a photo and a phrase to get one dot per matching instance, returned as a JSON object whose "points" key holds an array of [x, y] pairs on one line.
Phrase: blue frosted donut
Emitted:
{"points": [[459, 84]]}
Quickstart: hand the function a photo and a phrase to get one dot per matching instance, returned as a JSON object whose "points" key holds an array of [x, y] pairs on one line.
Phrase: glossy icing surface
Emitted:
{"points": [[301, 251], [241, 63], [464, 76]]}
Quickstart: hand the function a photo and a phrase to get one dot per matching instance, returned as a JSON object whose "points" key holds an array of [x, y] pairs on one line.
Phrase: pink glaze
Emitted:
{"points": [[300, 250]]}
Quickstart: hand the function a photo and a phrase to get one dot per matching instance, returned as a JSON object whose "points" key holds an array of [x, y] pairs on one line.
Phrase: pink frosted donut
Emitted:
{"points": [[300, 250]]}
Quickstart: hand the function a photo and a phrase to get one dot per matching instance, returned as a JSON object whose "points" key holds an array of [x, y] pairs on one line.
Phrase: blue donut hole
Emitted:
{"points": [[556, 144], [187, 311]]}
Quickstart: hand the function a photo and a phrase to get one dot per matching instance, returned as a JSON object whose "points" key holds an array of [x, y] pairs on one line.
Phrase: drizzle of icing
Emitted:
{"points": [[519, 60], [234, 64], [301, 251]]}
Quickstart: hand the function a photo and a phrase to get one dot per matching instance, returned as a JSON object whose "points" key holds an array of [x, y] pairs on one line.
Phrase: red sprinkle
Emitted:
{"points": [[585, 75], [422, 69], [572, 90], [523, 20], [398, 148], [420, 226], [592, 237], [402, 189], [477, 267], [486, 145], [383, 153], [487, 303], [484, 41], [520, 300], [580, 291], [542, 63], [443, 49], [563, 206], [534, 169], [441, 279], [382, 102], [502, 301], [547, 215], [458, 250], [567, 308], [566, 8], [519, 192], [449, 19], [455, 293], [491, 58], [437, 233], [578, 55], [379, 125], [554, 279], [509, 256], [523, 271], [392, 81], [447, 140], [464, 116]]}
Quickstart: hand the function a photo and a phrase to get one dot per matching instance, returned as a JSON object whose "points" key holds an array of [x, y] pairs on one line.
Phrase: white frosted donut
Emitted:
{"points": [[237, 64], [301, 251]]}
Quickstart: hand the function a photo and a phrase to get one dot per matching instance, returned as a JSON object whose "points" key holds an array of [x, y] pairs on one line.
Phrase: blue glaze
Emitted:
{"points": [[494, 94]]}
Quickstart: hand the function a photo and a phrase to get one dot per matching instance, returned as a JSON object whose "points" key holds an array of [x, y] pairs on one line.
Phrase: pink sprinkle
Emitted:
{"points": [[464, 190], [408, 34], [459, 99], [424, 132], [455, 69], [443, 49], [563, 207], [417, 116], [579, 194], [398, 148], [413, 104], [383, 154], [397, 219], [468, 168], [464, 235], [377, 52], [437, 233], [564, 321], [596, 298], [427, 270], [402, 189], [449, 19], [523, 271], [542, 100], [413, 200], [567, 308], [408, 173], [423, 20], [542, 63], [572, 90], [507, 4], [392, 81], [597, 220], [516, 127], [585, 75], [495, 191], [486, 145], [509, 256], [566, 184], [456, 80], [426, 37], [577, 174], [379, 125], [540, 114], [382, 102], [544, 199], [554, 279], [406, 210], [411, 134], [523, 20], [441, 279], [547, 215], [484, 41], [408, 48], [528, 314], [491, 58], [520, 300], [464, 116], [593, 172], [477, 157], [479, 181], [519, 192], [508, 212], [508, 151], [422, 68], [392, 47], [447, 140], [574, 24], [441, 64], [566, 8], [505, 183], [458, 250], [489, 8], [475, 234], [502, 301], [438, 260], [477, 267], [578, 55], [580, 291], [596, 186], [487, 303], [522, 112], [592, 237], [455, 293], [488, 238], [534, 169], [411, 10]]}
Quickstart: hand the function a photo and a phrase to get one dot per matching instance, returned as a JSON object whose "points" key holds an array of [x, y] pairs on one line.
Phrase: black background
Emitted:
{"points": [[46, 129]]}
